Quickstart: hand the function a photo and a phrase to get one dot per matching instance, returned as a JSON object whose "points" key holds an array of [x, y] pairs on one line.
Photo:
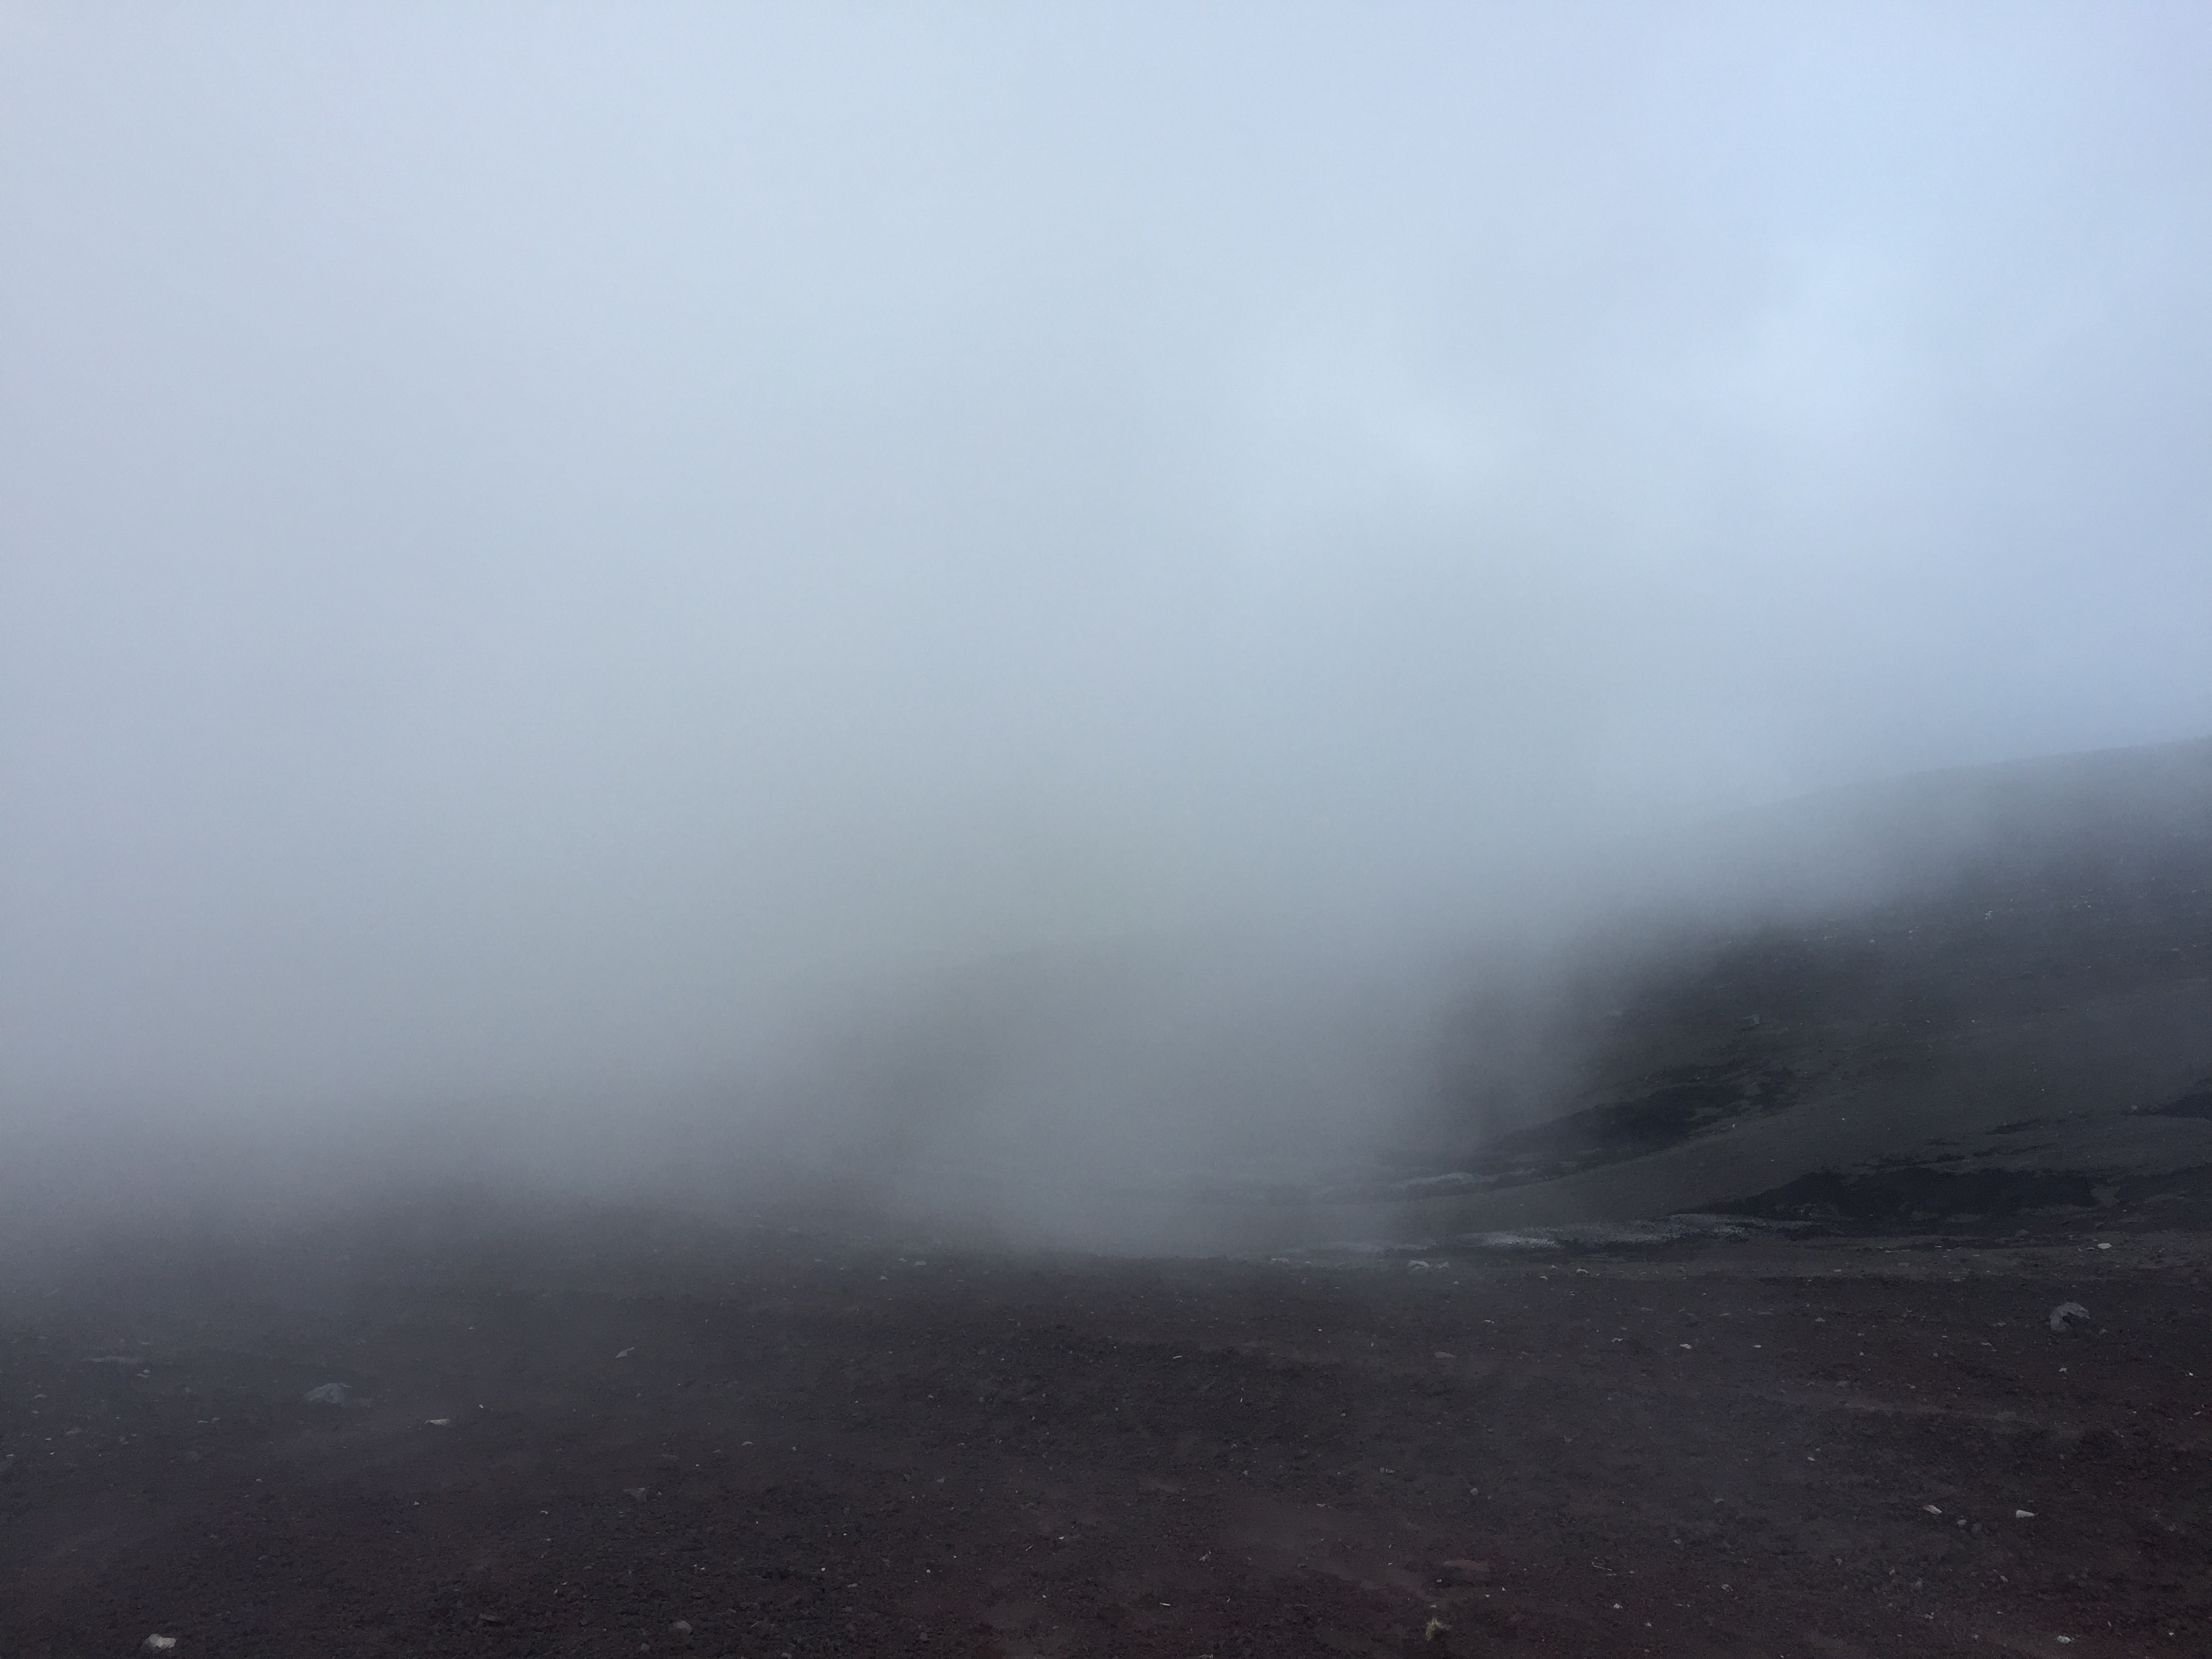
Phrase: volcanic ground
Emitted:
{"points": [[600, 1434]]}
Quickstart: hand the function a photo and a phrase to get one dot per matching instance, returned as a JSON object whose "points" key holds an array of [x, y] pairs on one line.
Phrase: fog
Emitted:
{"points": [[568, 568]]}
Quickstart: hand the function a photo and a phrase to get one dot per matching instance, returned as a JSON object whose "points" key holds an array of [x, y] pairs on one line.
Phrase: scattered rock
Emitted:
{"points": [[638, 1493], [2066, 1315], [160, 1644], [330, 1393], [681, 1627]]}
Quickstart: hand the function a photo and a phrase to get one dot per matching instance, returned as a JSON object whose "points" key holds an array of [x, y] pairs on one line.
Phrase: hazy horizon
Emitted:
{"points": [[549, 550]]}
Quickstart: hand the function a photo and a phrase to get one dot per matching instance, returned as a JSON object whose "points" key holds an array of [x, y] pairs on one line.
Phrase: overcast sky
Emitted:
{"points": [[531, 537]]}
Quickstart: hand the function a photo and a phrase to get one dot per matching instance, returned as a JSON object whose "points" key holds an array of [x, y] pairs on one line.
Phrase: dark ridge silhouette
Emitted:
{"points": [[1902, 970]]}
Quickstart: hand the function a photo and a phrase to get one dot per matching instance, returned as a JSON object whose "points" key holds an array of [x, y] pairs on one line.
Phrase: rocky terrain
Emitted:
{"points": [[605, 1435]]}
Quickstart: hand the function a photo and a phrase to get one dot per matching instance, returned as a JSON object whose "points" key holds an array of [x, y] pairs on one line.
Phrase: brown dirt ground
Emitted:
{"points": [[581, 1433]]}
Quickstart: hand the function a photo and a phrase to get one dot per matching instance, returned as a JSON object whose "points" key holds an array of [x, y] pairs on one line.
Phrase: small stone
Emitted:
{"points": [[681, 1627]]}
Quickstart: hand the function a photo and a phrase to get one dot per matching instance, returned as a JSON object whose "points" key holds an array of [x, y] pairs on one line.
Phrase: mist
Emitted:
{"points": [[992, 589]]}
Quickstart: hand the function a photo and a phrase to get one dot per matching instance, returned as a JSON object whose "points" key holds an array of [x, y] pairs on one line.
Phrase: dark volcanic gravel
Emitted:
{"points": [[586, 1438]]}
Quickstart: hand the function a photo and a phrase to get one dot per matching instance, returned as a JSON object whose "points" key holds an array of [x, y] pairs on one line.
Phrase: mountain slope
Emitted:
{"points": [[1946, 957]]}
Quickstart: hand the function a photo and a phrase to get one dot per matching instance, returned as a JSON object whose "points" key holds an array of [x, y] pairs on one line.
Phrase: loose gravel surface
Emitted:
{"points": [[602, 1433]]}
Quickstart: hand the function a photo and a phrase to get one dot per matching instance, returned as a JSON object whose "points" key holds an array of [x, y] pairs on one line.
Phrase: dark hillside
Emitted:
{"points": [[2043, 953]]}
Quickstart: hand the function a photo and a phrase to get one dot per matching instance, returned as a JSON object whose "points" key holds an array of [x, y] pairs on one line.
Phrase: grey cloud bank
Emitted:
{"points": [[543, 549]]}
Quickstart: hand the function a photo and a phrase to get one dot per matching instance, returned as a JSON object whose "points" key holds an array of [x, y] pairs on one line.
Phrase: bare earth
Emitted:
{"points": [[584, 1433]]}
